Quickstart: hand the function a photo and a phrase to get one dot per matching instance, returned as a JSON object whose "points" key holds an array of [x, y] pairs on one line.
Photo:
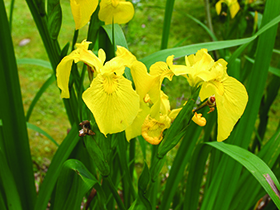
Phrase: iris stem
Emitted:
{"points": [[115, 193]]}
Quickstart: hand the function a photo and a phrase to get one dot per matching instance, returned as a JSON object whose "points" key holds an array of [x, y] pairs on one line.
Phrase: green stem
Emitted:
{"points": [[75, 37], [11, 14], [167, 21], [115, 193]]}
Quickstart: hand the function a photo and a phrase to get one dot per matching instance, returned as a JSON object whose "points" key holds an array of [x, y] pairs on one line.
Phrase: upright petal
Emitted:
{"points": [[234, 8], [82, 10], [118, 11], [127, 57], [113, 103], [142, 80]]}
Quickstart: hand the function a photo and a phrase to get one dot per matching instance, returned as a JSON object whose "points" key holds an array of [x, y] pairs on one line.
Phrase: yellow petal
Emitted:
{"points": [[161, 69], [198, 119], [82, 10], [142, 80], [230, 106], [164, 104], [234, 8], [113, 103], [176, 69], [63, 73], [219, 7], [135, 128], [118, 11], [127, 57], [174, 113], [231, 103], [152, 129]]}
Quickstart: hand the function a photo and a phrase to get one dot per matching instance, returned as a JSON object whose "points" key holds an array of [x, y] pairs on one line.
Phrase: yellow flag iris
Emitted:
{"points": [[231, 96], [82, 11], [153, 117], [232, 4], [110, 97], [115, 11]]}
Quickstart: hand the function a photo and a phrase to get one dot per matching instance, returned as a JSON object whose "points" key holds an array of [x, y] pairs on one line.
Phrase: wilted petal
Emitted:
{"points": [[152, 129], [82, 11], [113, 103], [198, 119]]}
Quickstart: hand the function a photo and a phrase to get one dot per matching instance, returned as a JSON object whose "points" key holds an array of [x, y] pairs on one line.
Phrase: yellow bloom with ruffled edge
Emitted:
{"points": [[110, 97], [153, 117], [115, 11], [233, 5], [82, 11], [230, 95]]}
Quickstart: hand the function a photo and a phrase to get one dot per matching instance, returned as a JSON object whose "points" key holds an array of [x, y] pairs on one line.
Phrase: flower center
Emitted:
{"points": [[115, 3], [110, 83]]}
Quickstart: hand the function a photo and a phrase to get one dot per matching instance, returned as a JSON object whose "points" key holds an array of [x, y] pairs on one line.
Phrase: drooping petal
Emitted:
{"points": [[82, 10], [113, 103], [64, 67], [230, 106], [135, 128], [115, 11], [219, 6], [234, 8], [152, 129], [230, 102], [63, 71]]}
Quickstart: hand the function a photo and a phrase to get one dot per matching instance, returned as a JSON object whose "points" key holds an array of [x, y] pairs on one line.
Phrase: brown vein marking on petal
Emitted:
{"points": [[272, 184]]}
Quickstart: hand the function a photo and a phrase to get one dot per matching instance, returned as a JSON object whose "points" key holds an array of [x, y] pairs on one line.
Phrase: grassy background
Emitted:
{"points": [[143, 35]]}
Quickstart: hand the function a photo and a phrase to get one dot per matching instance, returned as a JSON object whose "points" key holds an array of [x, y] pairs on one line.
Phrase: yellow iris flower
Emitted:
{"points": [[82, 11], [110, 97], [230, 95], [154, 115], [232, 4], [115, 11]]}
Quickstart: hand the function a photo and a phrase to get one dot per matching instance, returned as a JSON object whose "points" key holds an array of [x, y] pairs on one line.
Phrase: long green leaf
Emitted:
{"points": [[241, 135], [14, 137], [38, 95], [33, 61], [39, 130], [9, 185], [248, 188], [59, 158], [185, 50], [256, 166], [73, 183], [167, 22], [178, 166], [271, 69]]}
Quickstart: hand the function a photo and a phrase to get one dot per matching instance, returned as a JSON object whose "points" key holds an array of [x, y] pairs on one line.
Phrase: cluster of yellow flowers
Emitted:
{"points": [[117, 11], [145, 111]]}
